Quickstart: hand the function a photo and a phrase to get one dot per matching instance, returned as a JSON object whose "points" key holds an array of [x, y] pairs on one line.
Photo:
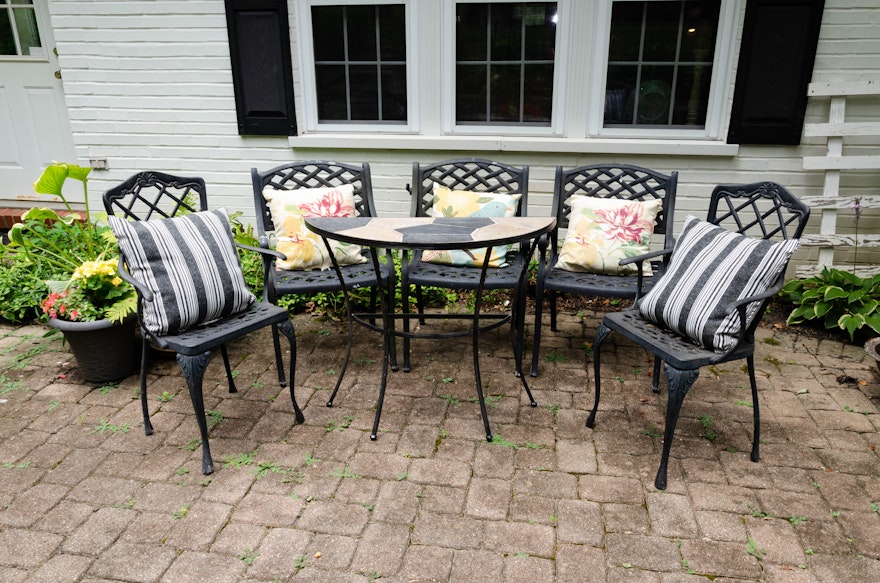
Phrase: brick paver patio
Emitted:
{"points": [[85, 496]]}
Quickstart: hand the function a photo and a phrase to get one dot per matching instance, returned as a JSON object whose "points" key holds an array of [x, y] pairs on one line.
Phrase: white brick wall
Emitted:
{"points": [[149, 86]]}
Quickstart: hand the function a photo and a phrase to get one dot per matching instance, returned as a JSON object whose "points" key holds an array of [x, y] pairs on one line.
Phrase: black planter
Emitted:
{"points": [[104, 351]]}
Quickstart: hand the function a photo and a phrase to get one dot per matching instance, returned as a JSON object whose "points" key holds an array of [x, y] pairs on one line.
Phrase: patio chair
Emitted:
{"points": [[569, 270], [497, 190], [306, 184], [151, 194], [705, 309], [192, 296]]}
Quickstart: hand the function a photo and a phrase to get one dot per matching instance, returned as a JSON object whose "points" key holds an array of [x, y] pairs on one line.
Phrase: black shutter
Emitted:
{"points": [[775, 66], [259, 45]]}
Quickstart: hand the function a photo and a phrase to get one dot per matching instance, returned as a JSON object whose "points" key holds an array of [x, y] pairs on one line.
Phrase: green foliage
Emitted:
{"points": [[835, 299], [46, 246]]}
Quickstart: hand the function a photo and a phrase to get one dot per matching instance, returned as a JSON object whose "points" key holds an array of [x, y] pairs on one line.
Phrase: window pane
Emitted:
{"points": [[506, 31], [471, 32], [660, 62], [327, 32], [470, 93], [393, 43], [504, 62], [362, 33], [7, 40], [505, 92], [330, 89], [28, 34], [360, 62], [394, 93], [538, 104]]}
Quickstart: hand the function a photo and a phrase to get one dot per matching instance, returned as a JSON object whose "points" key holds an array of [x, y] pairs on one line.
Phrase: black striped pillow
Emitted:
{"points": [[711, 268], [191, 266]]}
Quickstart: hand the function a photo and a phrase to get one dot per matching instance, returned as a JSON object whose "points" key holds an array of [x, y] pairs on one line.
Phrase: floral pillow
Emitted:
{"points": [[465, 203], [303, 248], [603, 231]]}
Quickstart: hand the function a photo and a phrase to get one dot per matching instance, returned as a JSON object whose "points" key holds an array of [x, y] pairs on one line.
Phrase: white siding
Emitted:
{"points": [[149, 86]]}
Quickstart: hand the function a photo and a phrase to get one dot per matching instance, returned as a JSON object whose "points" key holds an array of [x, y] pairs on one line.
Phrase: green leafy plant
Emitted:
{"points": [[835, 299], [71, 254]]}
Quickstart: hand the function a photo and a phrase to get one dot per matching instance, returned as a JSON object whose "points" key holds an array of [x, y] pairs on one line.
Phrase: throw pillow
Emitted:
{"points": [[466, 203], [189, 263], [711, 268], [603, 231], [303, 248]]}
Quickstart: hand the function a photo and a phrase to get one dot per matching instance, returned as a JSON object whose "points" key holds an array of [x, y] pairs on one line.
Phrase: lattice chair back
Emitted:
{"points": [[156, 195], [763, 210], [472, 174], [621, 181], [313, 174]]}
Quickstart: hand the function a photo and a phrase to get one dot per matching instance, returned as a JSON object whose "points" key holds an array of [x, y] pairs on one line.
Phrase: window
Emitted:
{"points": [[564, 70], [660, 63], [19, 35], [360, 63], [504, 63]]}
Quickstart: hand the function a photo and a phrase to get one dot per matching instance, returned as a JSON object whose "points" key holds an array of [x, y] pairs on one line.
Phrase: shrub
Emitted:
{"points": [[835, 299]]}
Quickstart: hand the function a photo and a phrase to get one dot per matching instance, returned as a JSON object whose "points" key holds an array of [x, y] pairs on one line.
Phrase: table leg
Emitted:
{"points": [[387, 337], [475, 333]]}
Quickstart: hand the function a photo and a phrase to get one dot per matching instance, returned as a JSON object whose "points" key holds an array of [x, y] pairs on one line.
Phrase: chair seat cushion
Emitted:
{"points": [[709, 270], [603, 231], [190, 265], [465, 203], [303, 248]]}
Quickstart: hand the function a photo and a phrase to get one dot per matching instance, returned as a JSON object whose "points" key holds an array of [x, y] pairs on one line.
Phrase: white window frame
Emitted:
{"points": [[447, 28], [582, 37], [719, 85], [309, 97]]}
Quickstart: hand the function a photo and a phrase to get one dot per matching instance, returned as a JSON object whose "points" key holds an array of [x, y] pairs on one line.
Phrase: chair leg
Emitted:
{"points": [[279, 363], [552, 297], [286, 328], [347, 354], [756, 413], [601, 333], [232, 387], [655, 380], [536, 341], [678, 384], [148, 426], [404, 292], [193, 368], [420, 303]]}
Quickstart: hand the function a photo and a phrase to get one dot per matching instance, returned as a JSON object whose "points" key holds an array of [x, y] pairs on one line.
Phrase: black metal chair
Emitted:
{"points": [[278, 283], [617, 181], [762, 211], [476, 175], [160, 196]]}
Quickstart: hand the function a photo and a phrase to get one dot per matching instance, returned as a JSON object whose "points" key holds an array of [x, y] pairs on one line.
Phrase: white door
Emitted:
{"points": [[34, 126]]}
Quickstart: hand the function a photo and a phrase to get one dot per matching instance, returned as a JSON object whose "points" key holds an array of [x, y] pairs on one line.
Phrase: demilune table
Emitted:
{"points": [[434, 233]]}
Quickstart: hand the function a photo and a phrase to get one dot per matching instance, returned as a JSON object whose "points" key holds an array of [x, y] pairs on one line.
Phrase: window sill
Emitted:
{"points": [[514, 144]]}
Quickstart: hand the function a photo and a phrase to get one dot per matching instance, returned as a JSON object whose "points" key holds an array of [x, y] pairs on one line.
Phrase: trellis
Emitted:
{"points": [[836, 130]]}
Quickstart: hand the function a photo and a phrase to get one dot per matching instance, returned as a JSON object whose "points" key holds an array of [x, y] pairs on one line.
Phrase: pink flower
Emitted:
{"points": [[330, 205], [627, 223]]}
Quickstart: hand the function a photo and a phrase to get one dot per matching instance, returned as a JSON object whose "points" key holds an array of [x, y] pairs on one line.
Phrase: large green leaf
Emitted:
{"points": [[833, 292], [851, 323], [52, 179]]}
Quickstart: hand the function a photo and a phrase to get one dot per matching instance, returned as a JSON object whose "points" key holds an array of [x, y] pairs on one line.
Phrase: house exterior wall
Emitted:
{"points": [[149, 86]]}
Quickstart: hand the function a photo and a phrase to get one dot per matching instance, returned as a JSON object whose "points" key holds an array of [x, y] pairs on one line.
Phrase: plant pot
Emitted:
{"points": [[104, 351], [872, 347]]}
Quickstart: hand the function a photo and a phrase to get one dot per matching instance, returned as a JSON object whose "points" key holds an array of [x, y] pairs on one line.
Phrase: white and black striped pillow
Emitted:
{"points": [[711, 268], [191, 266]]}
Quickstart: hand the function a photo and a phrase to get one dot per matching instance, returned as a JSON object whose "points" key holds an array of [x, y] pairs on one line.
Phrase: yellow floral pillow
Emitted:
{"points": [[603, 231], [305, 249], [465, 203]]}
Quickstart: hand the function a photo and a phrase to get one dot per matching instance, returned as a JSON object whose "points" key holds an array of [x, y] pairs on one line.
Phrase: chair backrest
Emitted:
{"points": [[763, 210], [621, 181], [312, 174], [471, 174], [150, 194]]}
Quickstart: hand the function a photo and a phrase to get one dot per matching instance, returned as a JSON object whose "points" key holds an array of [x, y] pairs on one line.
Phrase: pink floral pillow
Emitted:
{"points": [[303, 248], [603, 231]]}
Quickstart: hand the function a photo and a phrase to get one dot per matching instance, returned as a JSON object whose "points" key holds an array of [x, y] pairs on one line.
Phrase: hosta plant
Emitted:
{"points": [[835, 299]]}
